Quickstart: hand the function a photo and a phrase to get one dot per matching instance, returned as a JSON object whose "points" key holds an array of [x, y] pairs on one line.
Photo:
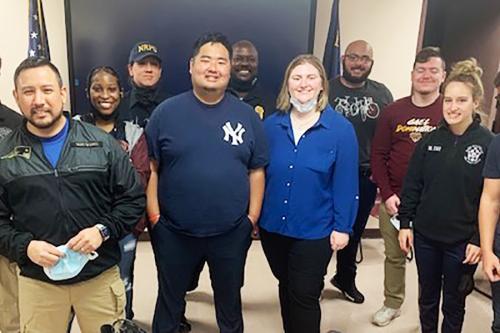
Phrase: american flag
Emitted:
{"points": [[331, 57], [38, 44]]}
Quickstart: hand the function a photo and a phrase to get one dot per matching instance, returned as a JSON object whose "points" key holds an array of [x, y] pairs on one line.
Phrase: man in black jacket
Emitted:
{"points": [[68, 193], [9, 312]]}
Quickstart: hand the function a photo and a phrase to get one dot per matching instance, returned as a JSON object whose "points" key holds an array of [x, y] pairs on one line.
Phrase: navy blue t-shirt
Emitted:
{"points": [[204, 154], [492, 170]]}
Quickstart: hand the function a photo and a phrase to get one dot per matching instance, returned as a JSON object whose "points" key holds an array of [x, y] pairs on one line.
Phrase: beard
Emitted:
{"points": [[44, 124], [346, 74]]}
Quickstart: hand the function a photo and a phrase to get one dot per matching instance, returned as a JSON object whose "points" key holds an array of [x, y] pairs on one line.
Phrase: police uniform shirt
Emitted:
{"points": [[262, 103]]}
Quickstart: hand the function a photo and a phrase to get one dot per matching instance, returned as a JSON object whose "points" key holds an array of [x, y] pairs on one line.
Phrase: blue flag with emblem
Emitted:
{"points": [[331, 58], [38, 45]]}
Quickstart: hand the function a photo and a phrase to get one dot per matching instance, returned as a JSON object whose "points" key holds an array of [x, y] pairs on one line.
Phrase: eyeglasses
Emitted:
{"points": [[354, 57]]}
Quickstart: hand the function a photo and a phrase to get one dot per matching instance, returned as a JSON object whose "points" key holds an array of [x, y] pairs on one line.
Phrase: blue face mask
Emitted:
{"points": [[70, 265], [304, 107]]}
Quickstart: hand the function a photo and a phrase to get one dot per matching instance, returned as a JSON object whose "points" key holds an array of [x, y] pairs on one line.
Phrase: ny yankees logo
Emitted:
{"points": [[235, 134]]}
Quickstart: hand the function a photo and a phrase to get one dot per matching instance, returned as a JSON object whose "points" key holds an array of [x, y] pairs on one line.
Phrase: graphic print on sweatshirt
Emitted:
{"points": [[364, 107], [416, 128]]}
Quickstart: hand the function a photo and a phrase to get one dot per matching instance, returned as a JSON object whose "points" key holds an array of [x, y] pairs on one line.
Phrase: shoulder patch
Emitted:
{"points": [[19, 151], [473, 154]]}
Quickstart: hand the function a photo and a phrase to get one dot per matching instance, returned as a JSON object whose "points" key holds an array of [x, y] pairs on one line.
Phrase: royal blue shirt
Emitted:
{"points": [[205, 153], [311, 187], [53, 146]]}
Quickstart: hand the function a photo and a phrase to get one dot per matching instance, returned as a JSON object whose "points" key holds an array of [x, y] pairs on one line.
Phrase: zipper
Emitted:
{"points": [[88, 168]]}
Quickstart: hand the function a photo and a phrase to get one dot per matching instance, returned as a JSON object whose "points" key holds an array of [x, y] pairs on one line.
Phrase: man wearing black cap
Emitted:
{"points": [[144, 69], [245, 81]]}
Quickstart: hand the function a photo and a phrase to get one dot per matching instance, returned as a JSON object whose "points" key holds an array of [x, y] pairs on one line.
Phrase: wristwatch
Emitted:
{"points": [[104, 231]]}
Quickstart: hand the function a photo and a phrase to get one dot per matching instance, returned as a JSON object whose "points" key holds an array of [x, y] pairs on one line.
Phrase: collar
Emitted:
{"points": [[326, 118], [443, 125], [156, 96], [251, 94]]}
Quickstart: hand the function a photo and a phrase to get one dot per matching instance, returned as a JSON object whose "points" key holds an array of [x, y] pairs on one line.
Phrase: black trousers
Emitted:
{"points": [[300, 266], [177, 259], [346, 258], [440, 269]]}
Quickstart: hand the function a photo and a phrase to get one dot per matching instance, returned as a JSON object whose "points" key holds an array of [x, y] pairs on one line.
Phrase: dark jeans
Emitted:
{"points": [[440, 268], [346, 258], [495, 291], [178, 257], [300, 266], [128, 247]]}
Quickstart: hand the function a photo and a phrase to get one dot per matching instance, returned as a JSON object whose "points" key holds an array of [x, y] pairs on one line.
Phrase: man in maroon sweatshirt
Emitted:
{"points": [[400, 128]]}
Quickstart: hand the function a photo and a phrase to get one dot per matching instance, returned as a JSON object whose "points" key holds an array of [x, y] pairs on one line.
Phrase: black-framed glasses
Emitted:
{"points": [[353, 57]]}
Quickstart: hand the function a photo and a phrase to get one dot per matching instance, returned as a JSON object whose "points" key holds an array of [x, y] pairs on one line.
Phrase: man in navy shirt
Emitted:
{"points": [[488, 220], [208, 155]]}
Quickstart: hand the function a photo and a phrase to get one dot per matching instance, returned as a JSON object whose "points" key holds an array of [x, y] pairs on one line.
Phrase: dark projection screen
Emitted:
{"points": [[102, 32]]}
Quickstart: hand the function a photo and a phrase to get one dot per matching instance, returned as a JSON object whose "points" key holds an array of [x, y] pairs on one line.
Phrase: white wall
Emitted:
{"points": [[390, 26], [14, 41]]}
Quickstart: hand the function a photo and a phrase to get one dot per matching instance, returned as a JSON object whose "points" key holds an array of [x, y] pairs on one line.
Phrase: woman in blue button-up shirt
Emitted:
{"points": [[311, 196]]}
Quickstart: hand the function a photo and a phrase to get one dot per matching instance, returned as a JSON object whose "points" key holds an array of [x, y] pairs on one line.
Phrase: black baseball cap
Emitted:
{"points": [[142, 50]]}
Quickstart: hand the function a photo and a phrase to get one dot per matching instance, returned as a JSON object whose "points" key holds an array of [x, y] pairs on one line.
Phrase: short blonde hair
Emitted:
{"points": [[283, 100]]}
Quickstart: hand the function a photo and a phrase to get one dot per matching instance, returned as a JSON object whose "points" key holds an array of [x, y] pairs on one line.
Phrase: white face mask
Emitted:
{"points": [[304, 107]]}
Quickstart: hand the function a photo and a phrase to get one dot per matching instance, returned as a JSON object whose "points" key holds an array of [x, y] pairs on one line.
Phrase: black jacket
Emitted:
{"points": [[137, 106], [92, 183], [443, 184], [9, 119]]}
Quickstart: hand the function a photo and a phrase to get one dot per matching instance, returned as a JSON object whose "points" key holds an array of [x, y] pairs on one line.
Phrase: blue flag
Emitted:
{"points": [[38, 45], [331, 58]]}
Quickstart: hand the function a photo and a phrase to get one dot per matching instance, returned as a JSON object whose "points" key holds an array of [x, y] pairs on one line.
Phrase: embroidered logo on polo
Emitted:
{"points": [[233, 135], [473, 154]]}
